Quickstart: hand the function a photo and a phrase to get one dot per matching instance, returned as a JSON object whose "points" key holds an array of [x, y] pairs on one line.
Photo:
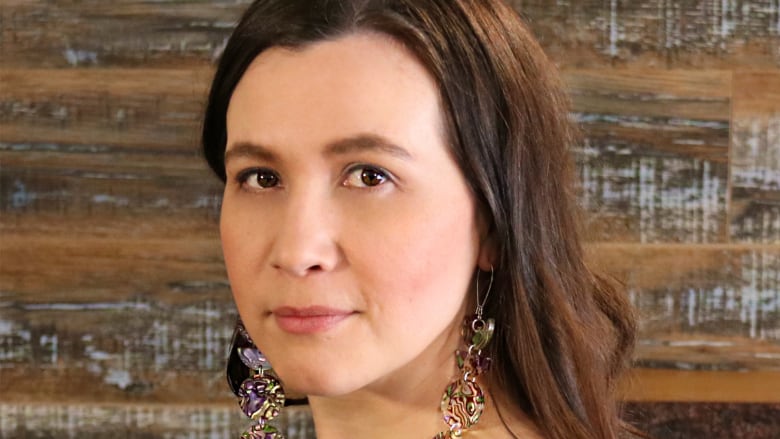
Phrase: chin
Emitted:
{"points": [[320, 388], [322, 382]]}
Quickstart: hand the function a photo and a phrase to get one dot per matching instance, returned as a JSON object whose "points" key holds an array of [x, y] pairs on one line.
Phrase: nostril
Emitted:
{"points": [[300, 270]]}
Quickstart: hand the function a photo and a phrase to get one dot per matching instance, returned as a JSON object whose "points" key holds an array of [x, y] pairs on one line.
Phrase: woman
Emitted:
{"points": [[397, 213]]}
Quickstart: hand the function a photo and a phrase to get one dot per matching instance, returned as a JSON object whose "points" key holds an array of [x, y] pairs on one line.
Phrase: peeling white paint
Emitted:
{"points": [[613, 31], [666, 205], [171, 422], [119, 378], [746, 302], [90, 306], [21, 197], [755, 166], [700, 343], [76, 57], [110, 199]]}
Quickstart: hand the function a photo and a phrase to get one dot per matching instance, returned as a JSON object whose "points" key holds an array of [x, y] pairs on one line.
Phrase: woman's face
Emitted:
{"points": [[349, 234]]}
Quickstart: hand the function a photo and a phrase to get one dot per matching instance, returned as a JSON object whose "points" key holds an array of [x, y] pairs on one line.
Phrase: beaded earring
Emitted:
{"points": [[260, 393], [464, 400]]}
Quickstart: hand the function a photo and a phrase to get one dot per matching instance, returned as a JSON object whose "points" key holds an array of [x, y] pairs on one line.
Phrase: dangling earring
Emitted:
{"points": [[260, 393], [464, 400]]}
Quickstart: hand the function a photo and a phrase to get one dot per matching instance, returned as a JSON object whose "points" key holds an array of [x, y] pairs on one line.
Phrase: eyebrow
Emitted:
{"points": [[358, 143]]}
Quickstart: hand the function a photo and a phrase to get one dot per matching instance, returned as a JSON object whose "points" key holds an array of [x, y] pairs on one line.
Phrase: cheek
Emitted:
{"points": [[231, 231], [419, 261], [239, 247]]}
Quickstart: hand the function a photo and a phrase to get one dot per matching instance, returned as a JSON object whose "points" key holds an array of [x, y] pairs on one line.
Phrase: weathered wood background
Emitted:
{"points": [[115, 312]]}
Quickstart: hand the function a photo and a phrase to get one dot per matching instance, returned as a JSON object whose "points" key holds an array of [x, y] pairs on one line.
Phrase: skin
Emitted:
{"points": [[387, 235]]}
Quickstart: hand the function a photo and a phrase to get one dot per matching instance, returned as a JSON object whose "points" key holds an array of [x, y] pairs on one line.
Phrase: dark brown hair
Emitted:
{"points": [[563, 334]]}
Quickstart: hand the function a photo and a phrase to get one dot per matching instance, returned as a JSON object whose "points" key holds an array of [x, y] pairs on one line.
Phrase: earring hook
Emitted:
{"points": [[481, 305]]}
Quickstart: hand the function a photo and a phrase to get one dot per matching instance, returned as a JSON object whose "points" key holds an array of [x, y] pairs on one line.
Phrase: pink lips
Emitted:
{"points": [[309, 320]]}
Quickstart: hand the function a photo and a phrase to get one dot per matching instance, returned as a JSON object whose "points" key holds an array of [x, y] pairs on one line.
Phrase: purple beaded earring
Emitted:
{"points": [[260, 393], [464, 400]]}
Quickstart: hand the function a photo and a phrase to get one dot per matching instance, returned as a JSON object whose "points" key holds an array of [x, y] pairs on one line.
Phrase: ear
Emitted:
{"points": [[488, 251], [487, 255]]}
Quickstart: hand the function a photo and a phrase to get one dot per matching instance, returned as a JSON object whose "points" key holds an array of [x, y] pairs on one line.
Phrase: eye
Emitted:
{"points": [[261, 178], [365, 176]]}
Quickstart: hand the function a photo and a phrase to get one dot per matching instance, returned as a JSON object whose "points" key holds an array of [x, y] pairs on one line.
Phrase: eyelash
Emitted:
{"points": [[383, 174], [243, 177]]}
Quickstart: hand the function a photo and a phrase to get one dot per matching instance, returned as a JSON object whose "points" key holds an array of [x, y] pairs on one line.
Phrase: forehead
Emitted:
{"points": [[362, 82]]}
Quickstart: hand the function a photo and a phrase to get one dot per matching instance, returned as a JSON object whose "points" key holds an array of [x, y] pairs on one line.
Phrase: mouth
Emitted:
{"points": [[309, 320]]}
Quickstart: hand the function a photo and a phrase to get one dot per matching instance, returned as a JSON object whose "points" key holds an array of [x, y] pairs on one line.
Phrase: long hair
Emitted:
{"points": [[564, 335]]}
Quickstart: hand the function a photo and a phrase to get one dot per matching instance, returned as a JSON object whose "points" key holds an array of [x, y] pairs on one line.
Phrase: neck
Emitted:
{"points": [[379, 417], [405, 404]]}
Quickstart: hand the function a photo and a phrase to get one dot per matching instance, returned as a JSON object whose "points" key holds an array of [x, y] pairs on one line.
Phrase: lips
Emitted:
{"points": [[309, 320]]}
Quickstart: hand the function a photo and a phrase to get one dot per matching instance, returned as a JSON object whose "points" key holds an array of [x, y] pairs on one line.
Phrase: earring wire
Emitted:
{"points": [[481, 306]]}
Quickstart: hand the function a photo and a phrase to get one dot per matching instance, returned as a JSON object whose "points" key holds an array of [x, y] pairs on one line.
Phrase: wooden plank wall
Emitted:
{"points": [[115, 311]]}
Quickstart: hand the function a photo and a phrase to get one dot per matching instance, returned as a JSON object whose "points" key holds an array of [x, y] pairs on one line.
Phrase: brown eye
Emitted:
{"points": [[372, 177], [366, 176], [259, 178], [267, 179]]}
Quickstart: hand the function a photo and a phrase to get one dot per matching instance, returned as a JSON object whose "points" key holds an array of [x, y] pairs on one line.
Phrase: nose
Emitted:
{"points": [[305, 242]]}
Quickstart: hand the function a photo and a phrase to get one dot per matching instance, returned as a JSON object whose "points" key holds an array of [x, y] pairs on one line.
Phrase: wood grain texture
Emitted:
{"points": [[702, 307], [139, 421], [95, 33], [662, 420], [104, 146], [654, 33], [108, 310], [657, 33], [697, 420], [755, 164], [115, 311], [726, 291], [84, 182], [128, 108], [658, 385], [653, 162], [131, 318], [111, 260]]}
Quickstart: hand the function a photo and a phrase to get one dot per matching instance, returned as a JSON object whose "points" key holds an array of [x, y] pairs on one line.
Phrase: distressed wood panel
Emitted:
{"points": [[755, 163], [704, 307], [139, 421], [652, 164], [117, 349], [117, 265], [104, 181], [131, 108], [118, 33], [107, 309], [656, 33], [663, 420], [708, 308], [112, 288], [726, 421], [665, 385], [97, 142], [653, 160]]}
